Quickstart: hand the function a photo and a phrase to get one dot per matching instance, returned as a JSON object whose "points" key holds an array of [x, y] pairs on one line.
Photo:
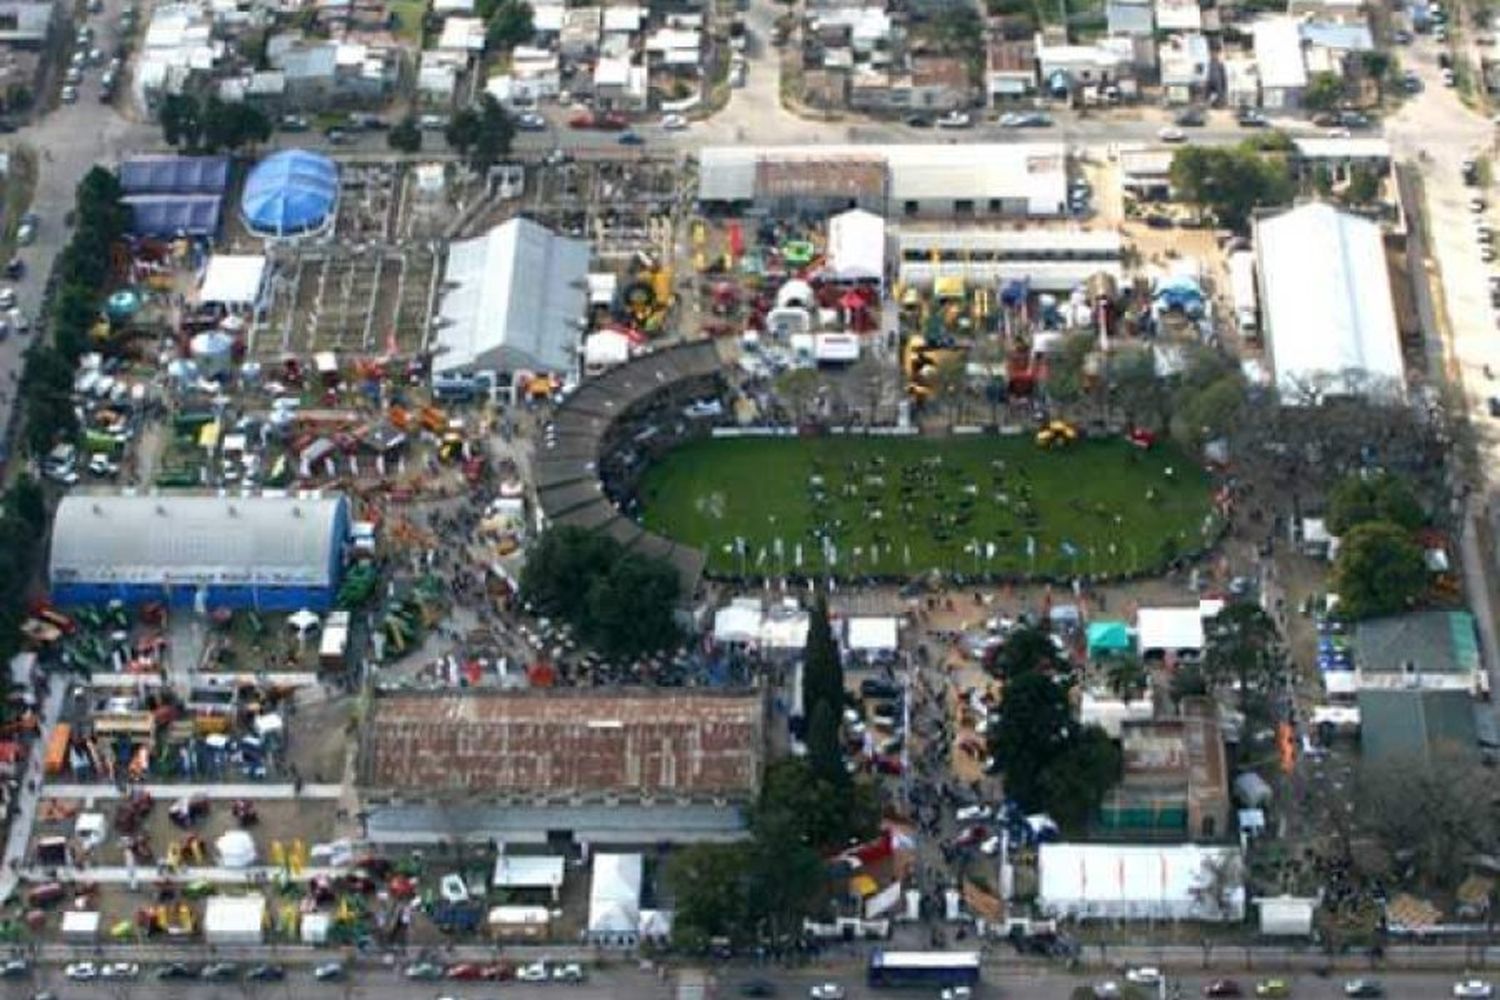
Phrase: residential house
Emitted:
{"points": [[1010, 70], [462, 37], [1131, 17], [1340, 157], [322, 74], [867, 29], [547, 22], [1241, 82], [1174, 780], [940, 83], [437, 79], [178, 49], [1335, 11], [620, 84], [1179, 15], [1185, 64], [337, 17], [581, 28], [1335, 48], [26, 25], [535, 74], [626, 18], [1278, 56], [826, 89], [1065, 69], [1146, 174]]}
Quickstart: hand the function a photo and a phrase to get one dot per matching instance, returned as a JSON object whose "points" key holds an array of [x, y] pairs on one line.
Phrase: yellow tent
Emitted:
{"points": [[863, 885], [949, 286]]}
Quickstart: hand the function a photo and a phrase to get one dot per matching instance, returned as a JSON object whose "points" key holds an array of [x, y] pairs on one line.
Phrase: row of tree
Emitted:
{"points": [[197, 124], [482, 134], [617, 601]]}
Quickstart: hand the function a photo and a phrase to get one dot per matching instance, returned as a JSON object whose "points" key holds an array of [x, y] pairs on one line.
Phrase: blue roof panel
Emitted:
{"points": [[175, 175], [290, 192], [175, 214]]}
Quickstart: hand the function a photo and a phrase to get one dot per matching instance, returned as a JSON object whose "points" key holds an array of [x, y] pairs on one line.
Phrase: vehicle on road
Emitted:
{"points": [[1364, 989], [1272, 989], [26, 231], [423, 971], [1473, 989], [631, 138], [329, 972], [119, 970], [15, 268], [674, 123], [266, 974], [220, 972], [432, 123], [955, 119], [81, 972], [175, 970], [1190, 118], [293, 123], [465, 972], [530, 121], [7, 298], [956, 993], [1143, 975], [567, 972], [1172, 134], [1222, 988], [826, 991], [69, 95], [1252, 118], [536, 972], [917, 121]]}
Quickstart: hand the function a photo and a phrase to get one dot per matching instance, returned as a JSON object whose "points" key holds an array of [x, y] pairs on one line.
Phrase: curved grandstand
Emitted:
{"points": [[607, 432]]}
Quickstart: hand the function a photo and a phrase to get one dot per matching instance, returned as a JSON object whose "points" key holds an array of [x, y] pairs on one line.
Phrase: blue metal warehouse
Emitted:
{"points": [[275, 553]]}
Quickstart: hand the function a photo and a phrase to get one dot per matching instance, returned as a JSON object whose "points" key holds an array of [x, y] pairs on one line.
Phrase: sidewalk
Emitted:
{"points": [[21, 823], [166, 791]]}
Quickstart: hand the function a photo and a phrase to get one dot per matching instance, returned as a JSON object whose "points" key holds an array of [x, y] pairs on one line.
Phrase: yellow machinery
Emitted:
{"points": [[1057, 434]]}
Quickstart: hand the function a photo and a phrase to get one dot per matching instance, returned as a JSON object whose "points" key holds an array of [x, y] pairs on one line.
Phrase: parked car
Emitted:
{"points": [[220, 972], [329, 972], [293, 123], [757, 988], [266, 974], [15, 968], [175, 970], [567, 972], [1172, 134], [119, 970], [631, 138], [69, 95], [956, 119], [1272, 989], [1143, 975], [917, 121], [465, 972], [1190, 118], [81, 972], [826, 991], [535, 972], [1473, 989], [423, 971], [1220, 988], [530, 121], [674, 122], [1364, 989]]}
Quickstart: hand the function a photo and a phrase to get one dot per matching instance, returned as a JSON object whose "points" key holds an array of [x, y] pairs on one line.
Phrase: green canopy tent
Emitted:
{"points": [[1108, 639]]}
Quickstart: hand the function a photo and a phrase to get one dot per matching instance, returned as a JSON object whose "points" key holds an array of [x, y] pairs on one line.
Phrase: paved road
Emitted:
{"points": [[624, 982], [24, 816]]}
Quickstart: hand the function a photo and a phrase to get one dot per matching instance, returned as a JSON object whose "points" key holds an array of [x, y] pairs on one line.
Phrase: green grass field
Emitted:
{"points": [[904, 506]]}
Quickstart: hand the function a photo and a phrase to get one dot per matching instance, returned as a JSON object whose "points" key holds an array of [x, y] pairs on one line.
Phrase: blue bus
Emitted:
{"points": [[924, 968]]}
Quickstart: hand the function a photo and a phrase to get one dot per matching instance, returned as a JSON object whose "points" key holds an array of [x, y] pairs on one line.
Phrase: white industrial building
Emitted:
{"points": [[1014, 180], [1326, 308], [1129, 882], [1052, 260], [517, 300]]}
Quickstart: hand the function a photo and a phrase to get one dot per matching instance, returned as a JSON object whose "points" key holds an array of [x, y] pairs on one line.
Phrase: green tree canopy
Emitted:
{"points": [[617, 601], [1075, 782], [1359, 499], [509, 25], [1033, 732], [1231, 181], [405, 136], [1324, 92], [1379, 570], [1244, 651], [482, 134], [1025, 650]]}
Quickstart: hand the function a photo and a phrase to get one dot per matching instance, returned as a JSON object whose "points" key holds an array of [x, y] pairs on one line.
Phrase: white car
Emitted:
{"points": [[536, 972], [955, 119], [82, 972], [1473, 989], [826, 991], [1449, 79], [673, 123], [703, 408], [570, 972], [1172, 134], [119, 970], [990, 847], [970, 813], [7, 298], [1477, 205], [956, 993], [1143, 975]]}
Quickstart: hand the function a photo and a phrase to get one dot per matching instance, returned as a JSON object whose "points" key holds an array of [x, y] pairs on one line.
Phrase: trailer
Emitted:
{"points": [[1242, 292]]}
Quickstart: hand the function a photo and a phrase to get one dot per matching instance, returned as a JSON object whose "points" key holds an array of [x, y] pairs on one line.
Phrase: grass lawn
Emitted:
{"points": [[409, 19], [902, 506]]}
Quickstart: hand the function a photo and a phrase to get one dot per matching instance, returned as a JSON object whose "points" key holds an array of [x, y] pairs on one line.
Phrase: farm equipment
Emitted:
{"points": [[245, 812], [130, 812], [189, 810], [1056, 434]]}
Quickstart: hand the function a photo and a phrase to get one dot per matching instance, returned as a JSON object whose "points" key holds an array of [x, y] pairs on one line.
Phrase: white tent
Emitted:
{"points": [[856, 246], [1120, 882], [236, 849], [869, 636], [739, 622], [234, 920], [233, 280], [1169, 630], [606, 349], [1287, 916], [615, 899], [80, 925], [529, 872]]}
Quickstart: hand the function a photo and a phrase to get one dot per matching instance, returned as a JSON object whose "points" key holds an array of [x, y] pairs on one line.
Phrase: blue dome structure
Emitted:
{"points": [[290, 193]]}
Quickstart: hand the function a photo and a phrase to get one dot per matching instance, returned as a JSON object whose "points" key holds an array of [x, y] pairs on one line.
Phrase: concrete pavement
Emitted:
{"points": [[166, 792], [24, 817]]}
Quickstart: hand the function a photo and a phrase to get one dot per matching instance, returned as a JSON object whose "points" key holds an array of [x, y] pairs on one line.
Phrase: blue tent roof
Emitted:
{"points": [[174, 214], [290, 192], [165, 174]]}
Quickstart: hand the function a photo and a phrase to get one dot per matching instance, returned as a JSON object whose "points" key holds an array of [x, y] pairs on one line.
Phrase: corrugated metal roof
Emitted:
{"points": [[563, 743], [189, 538], [165, 174], [1327, 299]]}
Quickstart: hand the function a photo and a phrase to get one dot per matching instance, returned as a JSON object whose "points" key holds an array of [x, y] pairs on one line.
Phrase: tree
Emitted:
{"points": [[707, 882], [1363, 187], [1211, 412], [482, 135], [823, 697], [1323, 93], [509, 25], [1230, 182], [405, 136], [233, 125], [1358, 499], [1244, 650], [1074, 783], [1126, 676], [1065, 368], [25, 502], [181, 121], [951, 383], [825, 752], [1379, 570], [1025, 650], [799, 387], [1033, 731], [619, 602], [1144, 397], [1432, 814], [798, 806]]}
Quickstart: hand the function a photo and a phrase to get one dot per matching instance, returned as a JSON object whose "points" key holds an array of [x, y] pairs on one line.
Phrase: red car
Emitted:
{"points": [[466, 972]]}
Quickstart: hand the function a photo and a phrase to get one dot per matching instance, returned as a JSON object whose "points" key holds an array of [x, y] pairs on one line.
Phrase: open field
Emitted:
{"points": [[902, 506]]}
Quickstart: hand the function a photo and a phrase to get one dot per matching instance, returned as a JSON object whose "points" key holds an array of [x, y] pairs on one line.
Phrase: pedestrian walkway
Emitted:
{"points": [[216, 792], [218, 875]]}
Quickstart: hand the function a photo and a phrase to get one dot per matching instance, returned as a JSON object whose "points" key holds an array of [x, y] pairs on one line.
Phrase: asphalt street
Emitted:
{"points": [[629, 983]]}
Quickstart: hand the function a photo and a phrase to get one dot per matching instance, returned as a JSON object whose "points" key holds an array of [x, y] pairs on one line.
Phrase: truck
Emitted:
{"points": [[333, 645], [1242, 292]]}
